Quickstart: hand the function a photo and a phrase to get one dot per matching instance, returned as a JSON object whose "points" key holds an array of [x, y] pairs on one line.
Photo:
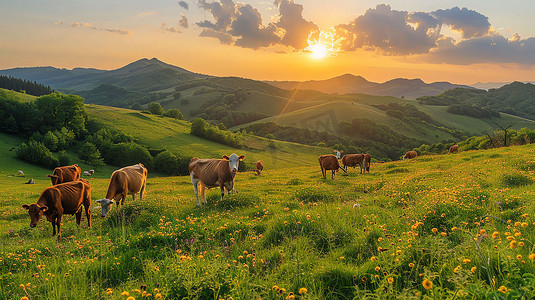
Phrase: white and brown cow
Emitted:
{"points": [[126, 181], [367, 161], [211, 173], [338, 153], [57, 200], [329, 162], [259, 167]]}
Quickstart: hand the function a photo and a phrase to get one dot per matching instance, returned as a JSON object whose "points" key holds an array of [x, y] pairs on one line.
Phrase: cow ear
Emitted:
{"points": [[225, 157], [342, 151], [26, 206], [242, 157], [334, 151], [43, 208], [51, 176]]}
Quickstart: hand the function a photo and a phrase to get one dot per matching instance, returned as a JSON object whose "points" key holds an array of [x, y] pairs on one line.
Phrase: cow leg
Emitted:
{"points": [[123, 197], [53, 222], [195, 190], [142, 190], [222, 187], [134, 196], [323, 173], [203, 192], [58, 224]]}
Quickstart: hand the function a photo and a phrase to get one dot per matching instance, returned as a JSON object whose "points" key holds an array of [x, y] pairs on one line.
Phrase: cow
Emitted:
{"points": [[86, 173], [259, 167], [211, 173], [126, 181], [352, 160], [338, 154], [65, 174], [329, 162], [367, 161], [454, 148], [20, 173], [91, 172], [57, 200], [410, 155]]}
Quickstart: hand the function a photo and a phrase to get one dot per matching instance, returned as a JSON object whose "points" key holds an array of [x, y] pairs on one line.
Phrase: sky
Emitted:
{"points": [[461, 41]]}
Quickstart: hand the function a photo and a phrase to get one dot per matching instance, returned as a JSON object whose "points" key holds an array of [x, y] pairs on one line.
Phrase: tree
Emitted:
{"points": [[90, 154], [174, 113], [155, 108], [166, 162]]}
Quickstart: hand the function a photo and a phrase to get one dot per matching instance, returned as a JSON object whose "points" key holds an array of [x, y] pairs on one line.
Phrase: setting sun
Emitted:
{"points": [[318, 51], [323, 44]]}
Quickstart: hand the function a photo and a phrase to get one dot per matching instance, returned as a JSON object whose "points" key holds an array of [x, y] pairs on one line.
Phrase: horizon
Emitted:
{"points": [[462, 42]]}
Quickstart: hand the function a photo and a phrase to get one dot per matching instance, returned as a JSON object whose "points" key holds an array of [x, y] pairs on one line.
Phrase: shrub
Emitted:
{"points": [[155, 108], [166, 162], [36, 153], [174, 113], [90, 154], [125, 154]]}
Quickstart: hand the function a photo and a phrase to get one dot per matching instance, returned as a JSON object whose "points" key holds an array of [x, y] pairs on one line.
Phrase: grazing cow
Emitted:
{"points": [[329, 162], [367, 161], [91, 172], [65, 174], [20, 173], [352, 160], [211, 173], [338, 154], [410, 155], [57, 200], [86, 173], [454, 148], [126, 181], [259, 167]]}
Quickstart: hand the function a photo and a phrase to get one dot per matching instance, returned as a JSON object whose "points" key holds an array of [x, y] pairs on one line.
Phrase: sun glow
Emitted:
{"points": [[323, 44]]}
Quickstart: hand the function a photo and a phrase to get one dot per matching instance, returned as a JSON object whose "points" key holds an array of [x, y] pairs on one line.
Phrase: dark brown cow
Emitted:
{"points": [[454, 148], [410, 155], [211, 173], [57, 200], [259, 167], [65, 174], [367, 161], [126, 181], [352, 160], [329, 162]]}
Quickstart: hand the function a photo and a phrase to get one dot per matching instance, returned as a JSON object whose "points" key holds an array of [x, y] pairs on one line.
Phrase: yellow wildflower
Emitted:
{"points": [[428, 284]]}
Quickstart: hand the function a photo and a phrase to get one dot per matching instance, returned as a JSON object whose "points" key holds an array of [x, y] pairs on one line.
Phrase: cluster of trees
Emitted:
{"points": [[516, 98], [399, 111], [24, 86], [201, 128], [473, 110], [156, 108], [47, 113]]}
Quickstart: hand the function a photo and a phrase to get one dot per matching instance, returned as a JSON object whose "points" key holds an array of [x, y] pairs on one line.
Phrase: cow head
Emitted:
{"points": [[54, 178], [233, 160], [338, 154], [36, 212], [106, 205]]}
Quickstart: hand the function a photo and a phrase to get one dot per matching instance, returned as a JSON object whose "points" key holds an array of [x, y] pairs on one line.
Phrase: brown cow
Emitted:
{"points": [[329, 162], [57, 200], [65, 174], [211, 173], [352, 160], [454, 148], [367, 161], [259, 167], [410, 155], [126, 181]]}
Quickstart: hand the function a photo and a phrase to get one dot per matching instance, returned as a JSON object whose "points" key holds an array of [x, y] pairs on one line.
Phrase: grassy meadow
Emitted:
{"points": [[435, 227]]}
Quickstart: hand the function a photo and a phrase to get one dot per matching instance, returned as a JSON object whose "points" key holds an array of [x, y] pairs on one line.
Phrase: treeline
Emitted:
{"points": [[112, 95], [400, 111], [473, 111], [201, 128], [494, 140], [24, 86], [361, 135], [516, 98]]}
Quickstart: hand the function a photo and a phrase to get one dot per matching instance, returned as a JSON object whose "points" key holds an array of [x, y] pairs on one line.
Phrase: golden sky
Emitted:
{"points": [[458, 41]]}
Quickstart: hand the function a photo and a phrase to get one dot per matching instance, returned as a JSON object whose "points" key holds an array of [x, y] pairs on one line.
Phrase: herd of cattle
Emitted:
{"points": [[69, 192]]}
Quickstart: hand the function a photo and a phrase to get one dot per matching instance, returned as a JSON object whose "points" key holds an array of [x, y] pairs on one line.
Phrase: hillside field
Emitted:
{"points": [[449, 226]]}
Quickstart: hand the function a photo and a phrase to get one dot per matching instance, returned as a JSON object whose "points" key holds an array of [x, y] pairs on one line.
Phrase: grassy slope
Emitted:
{"points": [[329, 253], [158, 133]]}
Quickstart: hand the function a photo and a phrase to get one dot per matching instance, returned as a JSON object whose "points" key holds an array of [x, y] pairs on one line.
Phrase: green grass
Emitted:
{"points": [[357, 236]]}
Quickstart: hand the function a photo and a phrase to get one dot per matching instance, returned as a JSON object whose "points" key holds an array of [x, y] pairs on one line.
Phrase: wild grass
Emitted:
{"points": [[450, 223]]}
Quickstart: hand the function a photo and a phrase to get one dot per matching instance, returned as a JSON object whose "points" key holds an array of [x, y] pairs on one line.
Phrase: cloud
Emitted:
{"points": [[296, 29], [241, 24], [488, 49], [388, 31], [183, 4], [169, 29], [183, 22], [468, 22], [88, 25], [58, 22]]}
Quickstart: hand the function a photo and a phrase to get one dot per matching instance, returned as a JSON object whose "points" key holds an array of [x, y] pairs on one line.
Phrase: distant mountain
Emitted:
{"points": [[347, 83], [493, 85], [142, 75], [516, 98]]}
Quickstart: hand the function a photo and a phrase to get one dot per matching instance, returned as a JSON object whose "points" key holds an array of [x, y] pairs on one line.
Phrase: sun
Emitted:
{"points": [[322, 44]]}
